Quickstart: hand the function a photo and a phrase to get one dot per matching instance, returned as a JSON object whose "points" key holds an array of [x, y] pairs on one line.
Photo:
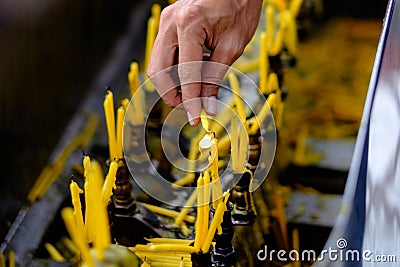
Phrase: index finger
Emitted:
{"points": [[191, 36]]}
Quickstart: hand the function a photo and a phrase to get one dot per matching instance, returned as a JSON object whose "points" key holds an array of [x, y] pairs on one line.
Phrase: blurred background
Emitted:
{"points": [[52, 51]]}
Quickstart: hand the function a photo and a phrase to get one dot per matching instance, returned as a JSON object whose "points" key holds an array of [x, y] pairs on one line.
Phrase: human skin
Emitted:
{"points": [[224, 27]]}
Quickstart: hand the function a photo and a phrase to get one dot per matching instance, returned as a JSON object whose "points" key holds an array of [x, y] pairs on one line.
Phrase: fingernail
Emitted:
{"points": [[204, 101], [190, 118], [212, 105]]}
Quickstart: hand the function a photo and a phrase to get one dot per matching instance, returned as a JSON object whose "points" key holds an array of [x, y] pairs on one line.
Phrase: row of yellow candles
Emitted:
{"points": [[280, 31], [95, 228]]}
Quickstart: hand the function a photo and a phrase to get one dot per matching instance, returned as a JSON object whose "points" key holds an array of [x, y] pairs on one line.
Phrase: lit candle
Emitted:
{"points": [[67, 215], [109, 183], [76, 202], [120, 125], [234, 143], [110, 120], [263, 63], [150, 38], [234, 82], [200, 213]]}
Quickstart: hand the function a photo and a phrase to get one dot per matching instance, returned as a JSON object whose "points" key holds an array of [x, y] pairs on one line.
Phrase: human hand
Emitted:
{"points": [[224, 27]]}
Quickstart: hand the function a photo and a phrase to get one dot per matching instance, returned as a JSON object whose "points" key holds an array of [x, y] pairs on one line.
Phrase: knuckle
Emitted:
{"points": [[187, 14], [167, 14]]}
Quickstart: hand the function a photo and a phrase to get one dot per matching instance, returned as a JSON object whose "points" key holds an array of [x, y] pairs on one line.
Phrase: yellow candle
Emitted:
{"points": [[262, 115], [216, 186], [200, 213], [101, 226], [54, 253], [164, 248], [169, 240], [145, 264], [204, 121], [11, 258], [273, 84], [182, 263], [217, 220], [270, 27], [156, 13], [169, 213], [263, 63], [97, 169], [294, 7], [109, 183], [290, 37], [70, 245], [276, 46], [206, 207], [134, 81], [234, 82], [296, 245], [248, 65], [279, 115], [150, 38], [185, 210], [89, 211], [86, 167], [234, 143], [76, 202], [110, 120], [67, 215], [120, 125], [2, 260], [244, 142]]}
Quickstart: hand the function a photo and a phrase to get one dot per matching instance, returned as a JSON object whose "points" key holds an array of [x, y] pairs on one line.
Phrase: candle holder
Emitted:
{"points": [[224, 254], [201, 259], [243, 212], [131, 222]]}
